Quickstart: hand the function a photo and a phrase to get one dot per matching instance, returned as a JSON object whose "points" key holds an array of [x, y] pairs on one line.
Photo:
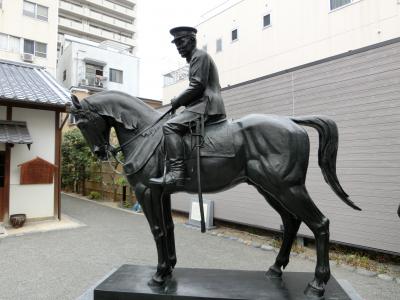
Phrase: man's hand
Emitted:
{"points": [[175, 104]]}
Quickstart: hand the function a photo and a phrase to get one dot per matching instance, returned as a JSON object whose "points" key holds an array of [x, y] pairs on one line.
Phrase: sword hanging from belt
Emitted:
{"points": [[199, 136]]}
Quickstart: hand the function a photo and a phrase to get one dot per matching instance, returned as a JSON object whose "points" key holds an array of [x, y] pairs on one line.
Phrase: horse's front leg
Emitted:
{"points": [[151, 204], [169, 224]]}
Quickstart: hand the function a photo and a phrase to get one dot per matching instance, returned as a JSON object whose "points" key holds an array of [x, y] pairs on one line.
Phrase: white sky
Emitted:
{"points": [[157, 55]]}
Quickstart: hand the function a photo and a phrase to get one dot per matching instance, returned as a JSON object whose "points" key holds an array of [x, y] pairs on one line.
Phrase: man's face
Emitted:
{"points": [[184, 45]]}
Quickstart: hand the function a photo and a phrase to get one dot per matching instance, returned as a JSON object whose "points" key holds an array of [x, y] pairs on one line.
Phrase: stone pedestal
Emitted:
{"points": [[130, 282]]}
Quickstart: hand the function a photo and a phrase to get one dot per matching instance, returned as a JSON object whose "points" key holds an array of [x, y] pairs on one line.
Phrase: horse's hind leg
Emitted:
{"points": [[297, 201], [290, 226]]}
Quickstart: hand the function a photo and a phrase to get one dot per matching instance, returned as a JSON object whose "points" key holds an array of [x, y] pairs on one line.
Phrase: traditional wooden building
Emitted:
{"points": [[31, 102]]}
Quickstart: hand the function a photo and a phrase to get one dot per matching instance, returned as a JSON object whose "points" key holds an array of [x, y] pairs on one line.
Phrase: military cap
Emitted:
{"points": [[182, 31]]}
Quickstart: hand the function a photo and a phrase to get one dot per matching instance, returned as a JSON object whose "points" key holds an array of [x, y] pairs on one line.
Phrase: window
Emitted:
{"points": [[338, 3], [36, 11], [29, 9], [29, 46], [65, 75], [36, 48], [267, 20], [219, 45], [116, 76], [234, 35], [42, 13], [9, 42], [14, 44], [40, 49], [3, 41]]}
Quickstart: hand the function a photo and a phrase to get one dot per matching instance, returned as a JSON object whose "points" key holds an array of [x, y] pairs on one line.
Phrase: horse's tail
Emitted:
{"points": [[327, 152]]}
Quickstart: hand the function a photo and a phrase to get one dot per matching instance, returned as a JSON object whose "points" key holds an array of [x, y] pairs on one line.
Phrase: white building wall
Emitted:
{"points": [[300, 32], [13, 22], [34, 200]]}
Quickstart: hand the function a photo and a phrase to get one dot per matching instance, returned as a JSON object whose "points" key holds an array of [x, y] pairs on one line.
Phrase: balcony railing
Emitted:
{"points": [[112, 21], [175, 76], [70, 24], [114, 7], [95, 81]]}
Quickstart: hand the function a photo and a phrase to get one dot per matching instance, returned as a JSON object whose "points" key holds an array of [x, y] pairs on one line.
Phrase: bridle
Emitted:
{"points": [[110, 150]]}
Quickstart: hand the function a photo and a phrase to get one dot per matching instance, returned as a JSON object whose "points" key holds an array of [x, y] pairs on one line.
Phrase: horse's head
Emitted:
{"points": [[94, 128]]}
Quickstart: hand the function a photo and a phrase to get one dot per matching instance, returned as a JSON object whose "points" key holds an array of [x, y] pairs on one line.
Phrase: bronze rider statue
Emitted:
{"points": [[202, 97]]}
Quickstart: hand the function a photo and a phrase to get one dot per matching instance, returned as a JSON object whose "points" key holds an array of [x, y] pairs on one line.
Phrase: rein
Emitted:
{"points": [[115, 151]]}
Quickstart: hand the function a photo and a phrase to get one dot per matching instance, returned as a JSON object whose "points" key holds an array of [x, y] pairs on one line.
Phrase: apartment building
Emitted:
{"points": [[98, 21], [339, 58], [28, 32]]}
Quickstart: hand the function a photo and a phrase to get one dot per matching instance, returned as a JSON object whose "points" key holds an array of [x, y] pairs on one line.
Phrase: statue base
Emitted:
{"points": [[131, 282]]}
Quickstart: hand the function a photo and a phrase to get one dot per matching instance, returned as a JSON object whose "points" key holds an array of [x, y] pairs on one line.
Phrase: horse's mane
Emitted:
{"points": [[120, 106]]}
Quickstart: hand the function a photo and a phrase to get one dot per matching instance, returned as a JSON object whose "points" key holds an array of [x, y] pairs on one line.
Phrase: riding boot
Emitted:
{"points": [[176, 174]]}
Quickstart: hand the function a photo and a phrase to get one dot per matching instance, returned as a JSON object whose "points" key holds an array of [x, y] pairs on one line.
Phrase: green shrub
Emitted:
{"points": [[94, 195]]}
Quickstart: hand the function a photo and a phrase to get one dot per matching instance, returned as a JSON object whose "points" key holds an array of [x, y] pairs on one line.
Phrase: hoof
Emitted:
{"points": [[274, 272], [172, 261], [160, 278], [313, 291]]}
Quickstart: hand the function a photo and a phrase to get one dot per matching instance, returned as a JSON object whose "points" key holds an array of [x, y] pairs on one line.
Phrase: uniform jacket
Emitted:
{"points": [[203, 96]]}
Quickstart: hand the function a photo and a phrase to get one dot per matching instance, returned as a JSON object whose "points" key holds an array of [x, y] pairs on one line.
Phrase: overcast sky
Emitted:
{"points": [[157, 55]]}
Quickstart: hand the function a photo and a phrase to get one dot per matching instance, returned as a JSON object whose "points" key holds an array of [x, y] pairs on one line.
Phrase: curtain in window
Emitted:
{"points": [[3, 41], [116, 76], [42, 12], [14, 44], [29, 9], [339, 3], [29, 46], [41, 49]]}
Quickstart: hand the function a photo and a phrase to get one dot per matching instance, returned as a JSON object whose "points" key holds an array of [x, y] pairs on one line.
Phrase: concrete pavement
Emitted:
{"points": [[64, 264]]}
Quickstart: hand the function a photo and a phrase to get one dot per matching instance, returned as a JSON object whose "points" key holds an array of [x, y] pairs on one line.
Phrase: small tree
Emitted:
{"points": [[77, 161]]}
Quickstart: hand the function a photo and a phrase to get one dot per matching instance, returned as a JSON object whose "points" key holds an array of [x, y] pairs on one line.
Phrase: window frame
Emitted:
{"points": [[111, 77], [237, 35], [35, 13]]}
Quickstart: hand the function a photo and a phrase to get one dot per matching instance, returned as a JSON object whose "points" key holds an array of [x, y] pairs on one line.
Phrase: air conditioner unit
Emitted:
{"points": [[28, 57], [84, 81]]}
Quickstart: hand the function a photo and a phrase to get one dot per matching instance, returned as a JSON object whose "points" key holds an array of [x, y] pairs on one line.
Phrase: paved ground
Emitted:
{"points": [[63, 264]]}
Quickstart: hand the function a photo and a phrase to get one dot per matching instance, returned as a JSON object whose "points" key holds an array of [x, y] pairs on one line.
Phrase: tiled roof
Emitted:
{"points": [[21, 82], [13, 132]]}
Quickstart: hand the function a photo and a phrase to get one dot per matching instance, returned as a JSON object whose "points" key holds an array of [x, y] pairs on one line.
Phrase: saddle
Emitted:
{"points": [[217, 141]]}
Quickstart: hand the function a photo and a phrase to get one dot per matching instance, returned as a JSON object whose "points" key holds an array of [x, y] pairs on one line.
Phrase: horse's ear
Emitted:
{"points": [[76, 102]]}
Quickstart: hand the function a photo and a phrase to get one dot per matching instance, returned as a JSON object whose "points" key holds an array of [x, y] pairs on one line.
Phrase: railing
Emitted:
{"points": [[109, 20], [70, 23], [71, 7], [94, 81], [114, 7], [175, 76]]}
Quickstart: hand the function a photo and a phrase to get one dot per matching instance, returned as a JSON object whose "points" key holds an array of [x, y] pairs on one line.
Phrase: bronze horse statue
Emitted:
{"points": [[271, 153]]}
